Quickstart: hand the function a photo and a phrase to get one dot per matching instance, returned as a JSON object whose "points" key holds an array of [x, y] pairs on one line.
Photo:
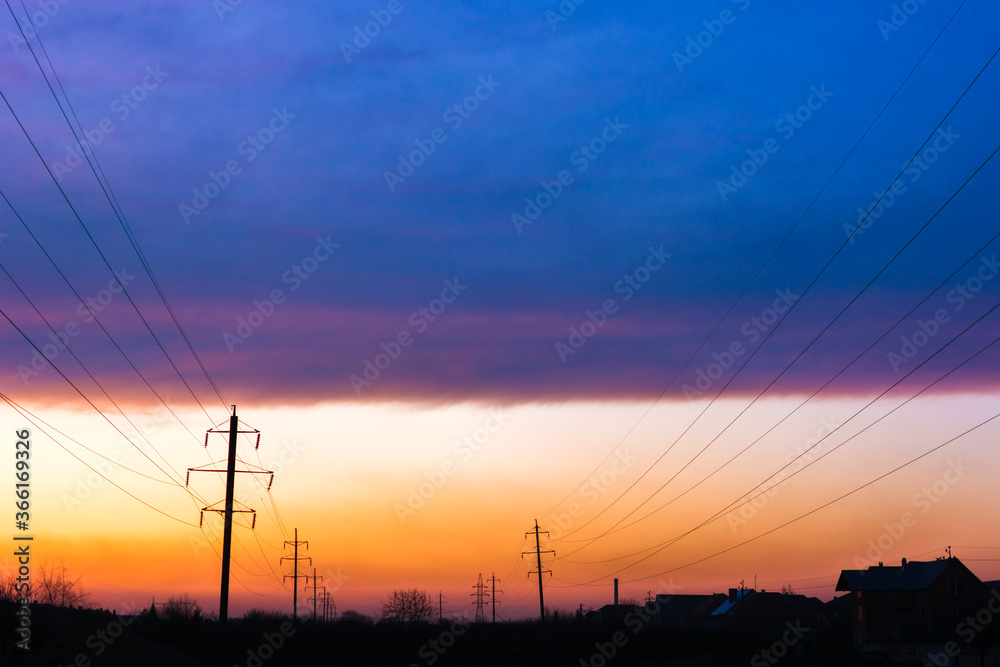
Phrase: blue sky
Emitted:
{"points": [[347, 115]]}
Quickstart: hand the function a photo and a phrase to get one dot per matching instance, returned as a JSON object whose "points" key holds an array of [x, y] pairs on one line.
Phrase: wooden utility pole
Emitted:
{"points": [[295, 575], [538, 554], [227, 529], [228, 509]]}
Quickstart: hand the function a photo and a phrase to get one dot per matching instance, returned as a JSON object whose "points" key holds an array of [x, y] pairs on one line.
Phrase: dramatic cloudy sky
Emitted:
{"points": [[471, 179]]}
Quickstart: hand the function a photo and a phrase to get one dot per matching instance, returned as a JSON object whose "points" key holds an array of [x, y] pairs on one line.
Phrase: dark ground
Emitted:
{"points": [[85, 638]]}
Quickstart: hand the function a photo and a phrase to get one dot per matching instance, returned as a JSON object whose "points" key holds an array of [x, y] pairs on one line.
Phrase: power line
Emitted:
{"points": [[101, 253], [658, 548], [778, 324], [793, 361], [108, 192], [825, 505], [769, 259]]}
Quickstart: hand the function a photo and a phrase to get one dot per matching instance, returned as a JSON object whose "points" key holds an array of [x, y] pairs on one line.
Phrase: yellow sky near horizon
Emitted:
{"points": [[395, 495]]}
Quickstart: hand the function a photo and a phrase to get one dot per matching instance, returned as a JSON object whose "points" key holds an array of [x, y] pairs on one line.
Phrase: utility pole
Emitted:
{"points": [[314, 598], [538, 554], [440, 608], [327, 601], [227, 512], [493, 578], [480, 594], [295, 576]]}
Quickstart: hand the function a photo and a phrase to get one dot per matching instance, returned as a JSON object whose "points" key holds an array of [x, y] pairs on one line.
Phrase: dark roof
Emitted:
{"points": [[778, 605], [688, 605], [914, 576]]}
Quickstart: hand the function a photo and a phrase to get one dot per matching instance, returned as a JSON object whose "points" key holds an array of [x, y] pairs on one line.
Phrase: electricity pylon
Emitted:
{"points": [[228, 511], [315, 598], [540, 571], [331, 608], [295, 576], [480, 596], [493, 597]]}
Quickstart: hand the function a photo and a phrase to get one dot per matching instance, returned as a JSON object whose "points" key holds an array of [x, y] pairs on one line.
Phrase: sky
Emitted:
{"points": [[469, 265]]}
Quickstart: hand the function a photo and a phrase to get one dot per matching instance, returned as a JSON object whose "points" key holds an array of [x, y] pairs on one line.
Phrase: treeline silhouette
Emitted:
{"points": [[178, 633]]}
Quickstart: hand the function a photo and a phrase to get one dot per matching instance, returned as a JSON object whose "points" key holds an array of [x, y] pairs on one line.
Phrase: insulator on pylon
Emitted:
{"points": [[187, 480], [206, 439], [253, 523], [201, 518], [257, 446], [270, 482]]}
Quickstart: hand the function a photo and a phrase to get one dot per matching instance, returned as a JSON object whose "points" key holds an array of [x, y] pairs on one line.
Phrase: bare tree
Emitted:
{"points": [[408, 606], [8, 589], [180, 608], [53, 585]]}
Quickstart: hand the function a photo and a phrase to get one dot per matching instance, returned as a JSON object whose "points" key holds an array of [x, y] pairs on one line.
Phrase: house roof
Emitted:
{"points": [[728, 604], [688, 605], [913, 576]]}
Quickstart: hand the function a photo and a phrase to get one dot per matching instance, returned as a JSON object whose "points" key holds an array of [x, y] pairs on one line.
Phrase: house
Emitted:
{"points": [[680, 612], [915, 602]]}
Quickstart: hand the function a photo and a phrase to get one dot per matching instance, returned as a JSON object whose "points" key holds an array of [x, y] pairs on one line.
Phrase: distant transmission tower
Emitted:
{"points": [[295, 572], [480, 596]]}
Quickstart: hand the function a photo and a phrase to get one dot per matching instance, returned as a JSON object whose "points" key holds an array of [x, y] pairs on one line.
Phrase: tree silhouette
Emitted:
{"points": [[53, 585], [408, 606]]}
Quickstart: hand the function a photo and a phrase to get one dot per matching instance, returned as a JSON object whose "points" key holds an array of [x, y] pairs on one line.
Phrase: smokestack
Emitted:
{"points": [[616, 591]]}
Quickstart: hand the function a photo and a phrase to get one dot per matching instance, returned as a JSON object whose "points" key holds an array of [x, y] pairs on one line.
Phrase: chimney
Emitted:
{"points": [[616, 591], [733, 595], [904, 562]]}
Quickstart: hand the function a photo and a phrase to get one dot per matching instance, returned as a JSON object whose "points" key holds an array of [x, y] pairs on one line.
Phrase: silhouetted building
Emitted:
{"points": [[914, 602]]}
